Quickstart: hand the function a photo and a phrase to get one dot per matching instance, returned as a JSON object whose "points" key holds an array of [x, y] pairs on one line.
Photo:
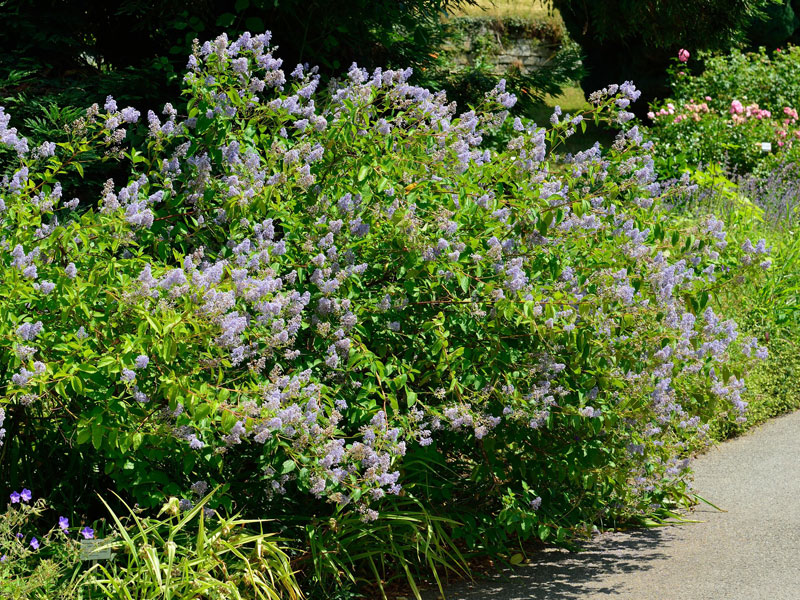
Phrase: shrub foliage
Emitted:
{"points": [[324, 299]]}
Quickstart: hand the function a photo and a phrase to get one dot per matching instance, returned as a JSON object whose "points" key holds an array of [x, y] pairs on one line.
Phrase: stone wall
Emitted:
{"points": [[505, 44]]}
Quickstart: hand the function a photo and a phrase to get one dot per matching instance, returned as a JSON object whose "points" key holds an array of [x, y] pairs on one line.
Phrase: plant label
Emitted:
{"points": [[95, 550]]}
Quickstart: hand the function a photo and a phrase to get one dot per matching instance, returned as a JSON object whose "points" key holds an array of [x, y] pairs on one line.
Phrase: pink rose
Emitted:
{"points": [[736, 108], [683, 55]]}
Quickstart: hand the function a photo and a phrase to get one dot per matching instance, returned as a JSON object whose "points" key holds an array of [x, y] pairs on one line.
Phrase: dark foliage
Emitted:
{"points": [[631, 39], [71, 51]]}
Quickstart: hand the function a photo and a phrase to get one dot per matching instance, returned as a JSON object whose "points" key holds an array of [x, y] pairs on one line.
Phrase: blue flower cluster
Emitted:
{"points": [[323, 282]]}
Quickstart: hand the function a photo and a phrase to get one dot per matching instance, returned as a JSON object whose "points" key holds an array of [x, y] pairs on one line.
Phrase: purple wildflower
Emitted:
{"points": [[110, 105], [130, 115]]}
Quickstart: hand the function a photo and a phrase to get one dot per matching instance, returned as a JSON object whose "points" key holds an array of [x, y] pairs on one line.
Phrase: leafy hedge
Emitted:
{"points": [[343, 307]]}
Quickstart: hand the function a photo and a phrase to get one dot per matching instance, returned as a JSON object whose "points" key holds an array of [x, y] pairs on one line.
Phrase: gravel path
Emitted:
{"points": [[750, 552]]}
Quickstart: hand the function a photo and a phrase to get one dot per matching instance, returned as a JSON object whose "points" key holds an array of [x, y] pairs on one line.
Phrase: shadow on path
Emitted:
{"points": [[748, 552], [556, 574]]}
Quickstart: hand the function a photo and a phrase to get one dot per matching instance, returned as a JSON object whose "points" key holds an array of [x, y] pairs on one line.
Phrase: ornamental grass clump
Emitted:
{"points": [[326, 299]]}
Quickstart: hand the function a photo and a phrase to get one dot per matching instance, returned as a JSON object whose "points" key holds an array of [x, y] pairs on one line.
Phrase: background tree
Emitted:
{"points": [[635, 39], [74, 52]]}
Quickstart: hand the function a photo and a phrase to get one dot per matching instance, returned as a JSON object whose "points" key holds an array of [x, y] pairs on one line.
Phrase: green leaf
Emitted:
{"points": [[97, 435], [170, 349], [544, 532], [202, 411], [226, 19], [106, 361], [76, 384], [411, 397], [84, 435], [254, 24], [228, 420], [463, 281]]}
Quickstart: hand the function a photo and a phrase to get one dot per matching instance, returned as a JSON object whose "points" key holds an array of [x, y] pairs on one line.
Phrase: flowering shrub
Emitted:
{"points": [[742, 109], [768, 305], [767, 79], [692, 133], [307, 294]]}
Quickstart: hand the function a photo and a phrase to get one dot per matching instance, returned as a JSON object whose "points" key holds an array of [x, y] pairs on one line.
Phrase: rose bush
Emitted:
{"points": [[741, 110]]}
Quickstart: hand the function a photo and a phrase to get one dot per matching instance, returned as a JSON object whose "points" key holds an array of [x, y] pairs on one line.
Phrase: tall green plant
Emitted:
{"points": [[407, 543], [188, 555]]}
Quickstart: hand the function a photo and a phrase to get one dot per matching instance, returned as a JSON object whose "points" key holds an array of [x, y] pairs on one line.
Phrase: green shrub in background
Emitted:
{"points": [[773, 388], [776, 26], [709, 24]]}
